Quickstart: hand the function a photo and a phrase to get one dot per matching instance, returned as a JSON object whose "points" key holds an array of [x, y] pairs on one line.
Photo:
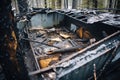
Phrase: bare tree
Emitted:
{"points": [[37, 3], [88, 4], [23, 6], [74, 4], [110, 3], [95, 4], [53, 4], [45, 3], [66, 4], [57, 4]]}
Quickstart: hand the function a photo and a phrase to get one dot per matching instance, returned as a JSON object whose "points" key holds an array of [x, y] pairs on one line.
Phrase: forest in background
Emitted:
{"points": [[66, 4]]}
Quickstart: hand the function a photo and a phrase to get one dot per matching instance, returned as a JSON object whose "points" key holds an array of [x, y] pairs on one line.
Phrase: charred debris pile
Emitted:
{"points": [[60, 43]]}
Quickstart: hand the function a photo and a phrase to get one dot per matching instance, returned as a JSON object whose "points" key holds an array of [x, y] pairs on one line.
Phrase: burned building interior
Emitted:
{"points": [[59, 39]]}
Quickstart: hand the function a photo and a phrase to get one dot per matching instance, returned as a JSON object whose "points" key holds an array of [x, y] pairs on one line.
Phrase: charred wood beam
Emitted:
{"points": [[8, 65], [8, 44], [70, 49], [27, 39]]}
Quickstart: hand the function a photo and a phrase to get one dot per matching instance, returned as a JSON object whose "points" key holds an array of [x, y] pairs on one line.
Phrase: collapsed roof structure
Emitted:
{"points": [[58, 44]]}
